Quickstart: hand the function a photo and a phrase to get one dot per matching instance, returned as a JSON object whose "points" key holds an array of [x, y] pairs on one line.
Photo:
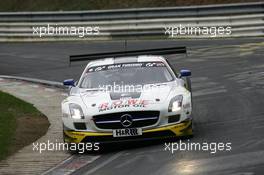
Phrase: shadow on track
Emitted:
{"points": [[108, 148]]}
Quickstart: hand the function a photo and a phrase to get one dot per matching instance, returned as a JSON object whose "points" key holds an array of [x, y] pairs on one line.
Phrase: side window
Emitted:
{"points": [[173, 68]]}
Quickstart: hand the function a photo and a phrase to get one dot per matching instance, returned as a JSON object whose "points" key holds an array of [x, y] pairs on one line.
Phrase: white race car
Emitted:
{"points": [[128, 98]]}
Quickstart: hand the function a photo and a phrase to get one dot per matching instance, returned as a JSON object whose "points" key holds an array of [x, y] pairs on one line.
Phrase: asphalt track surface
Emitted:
{"points": [[228, 90]]}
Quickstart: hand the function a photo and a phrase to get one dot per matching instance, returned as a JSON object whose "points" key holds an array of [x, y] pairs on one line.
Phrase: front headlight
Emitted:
{"points": [[175, 103], [76, 111]]}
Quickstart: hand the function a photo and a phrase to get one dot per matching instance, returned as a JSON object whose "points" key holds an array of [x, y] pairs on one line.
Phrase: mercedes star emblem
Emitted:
{"points": [[126, 120]]}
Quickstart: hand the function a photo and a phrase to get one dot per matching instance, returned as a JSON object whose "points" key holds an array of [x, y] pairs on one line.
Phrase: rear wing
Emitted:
{"points": [[158, 51]]}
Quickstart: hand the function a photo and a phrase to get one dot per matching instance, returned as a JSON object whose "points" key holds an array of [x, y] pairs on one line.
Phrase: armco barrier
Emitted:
{"points": [[246, 19]]}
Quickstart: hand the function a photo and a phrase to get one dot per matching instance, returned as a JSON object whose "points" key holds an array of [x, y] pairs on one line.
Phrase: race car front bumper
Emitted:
{"points": [[175, 130]]}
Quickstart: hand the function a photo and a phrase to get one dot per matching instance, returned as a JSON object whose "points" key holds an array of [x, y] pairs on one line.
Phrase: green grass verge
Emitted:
{"points": [[55, 5], [11, 109]]}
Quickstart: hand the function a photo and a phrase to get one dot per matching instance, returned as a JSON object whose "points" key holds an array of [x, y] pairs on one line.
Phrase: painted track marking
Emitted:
{"points": [[102, 164]]}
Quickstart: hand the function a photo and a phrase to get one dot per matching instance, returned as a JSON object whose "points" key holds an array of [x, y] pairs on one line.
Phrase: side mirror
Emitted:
{"points": [[69, 82], [185, 73]]}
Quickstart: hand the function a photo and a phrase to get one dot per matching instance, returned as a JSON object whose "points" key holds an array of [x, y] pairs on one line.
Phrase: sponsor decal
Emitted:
{"points": [[125, 103], [125, 65], [127, 132]]}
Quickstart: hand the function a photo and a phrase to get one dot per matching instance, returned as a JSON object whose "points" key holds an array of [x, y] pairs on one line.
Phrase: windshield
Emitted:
{"points": [[126, 74]]}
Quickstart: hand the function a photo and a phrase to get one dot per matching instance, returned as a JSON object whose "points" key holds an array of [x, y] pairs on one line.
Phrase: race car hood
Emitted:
{"points": [[151, 95]]}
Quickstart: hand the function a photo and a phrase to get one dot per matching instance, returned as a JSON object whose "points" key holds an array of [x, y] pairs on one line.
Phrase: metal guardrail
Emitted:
{"points": [[246, 19]]}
